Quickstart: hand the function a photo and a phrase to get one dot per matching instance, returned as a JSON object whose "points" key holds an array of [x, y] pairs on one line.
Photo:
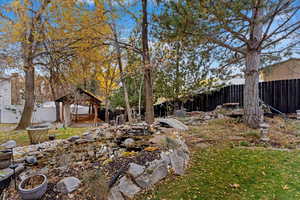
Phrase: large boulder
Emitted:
{"points": [[128, 188], [9, 144], [8, 172], [156, 171], [68, 185], [174, 123], [135, 170], [179, 160], [165, 156], [115, 194]]}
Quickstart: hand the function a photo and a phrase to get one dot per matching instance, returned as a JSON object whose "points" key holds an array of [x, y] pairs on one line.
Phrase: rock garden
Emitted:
{"points": [[114, 162]]}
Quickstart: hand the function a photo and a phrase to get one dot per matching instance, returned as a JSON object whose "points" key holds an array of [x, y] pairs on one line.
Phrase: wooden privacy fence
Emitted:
{"points": [[284, 95]]}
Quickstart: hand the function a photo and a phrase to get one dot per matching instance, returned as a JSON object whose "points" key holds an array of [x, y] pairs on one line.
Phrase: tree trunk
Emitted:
{"points": [[29, 98], [148, 71], [128, 109], [140, 97], [252, 111], [52, 82], [119, 57], [107, 110]]}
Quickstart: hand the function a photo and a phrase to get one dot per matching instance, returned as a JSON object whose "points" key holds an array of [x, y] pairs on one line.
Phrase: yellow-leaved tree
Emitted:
{"points": [[72, 26], [22, 27], [108, 75]]}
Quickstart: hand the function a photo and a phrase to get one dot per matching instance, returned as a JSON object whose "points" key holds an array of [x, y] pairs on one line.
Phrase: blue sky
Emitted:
{"points": [[126, 23]]}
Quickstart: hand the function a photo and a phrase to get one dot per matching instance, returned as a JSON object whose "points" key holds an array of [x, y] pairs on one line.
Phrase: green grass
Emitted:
{"points": [[21, 137], [7, 125], [234, 174]]}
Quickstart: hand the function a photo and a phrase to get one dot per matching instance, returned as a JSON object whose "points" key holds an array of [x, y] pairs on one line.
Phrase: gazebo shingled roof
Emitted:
{"points": [[70, 97]]}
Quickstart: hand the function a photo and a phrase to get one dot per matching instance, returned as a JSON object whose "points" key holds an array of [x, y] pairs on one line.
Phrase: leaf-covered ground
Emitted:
{"points": [[234, 174]]}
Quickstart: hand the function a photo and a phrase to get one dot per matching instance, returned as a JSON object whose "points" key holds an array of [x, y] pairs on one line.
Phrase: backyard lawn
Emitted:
{"points": [[234, 174], [21, 137], [234, 165]]}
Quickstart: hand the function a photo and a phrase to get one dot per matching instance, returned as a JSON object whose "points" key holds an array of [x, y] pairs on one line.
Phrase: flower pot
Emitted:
{"points": [[38, 134], [35, 193]]}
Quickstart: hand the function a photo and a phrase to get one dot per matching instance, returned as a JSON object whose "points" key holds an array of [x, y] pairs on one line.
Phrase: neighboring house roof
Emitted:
{"points": [[264, 69]]}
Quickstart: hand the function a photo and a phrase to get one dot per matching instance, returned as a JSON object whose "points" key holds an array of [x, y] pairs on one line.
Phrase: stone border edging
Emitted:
{"points": [[139, 177]]}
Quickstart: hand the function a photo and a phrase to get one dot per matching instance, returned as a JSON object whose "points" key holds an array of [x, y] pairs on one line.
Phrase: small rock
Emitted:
{"points": [[9, 144], [135, 170], [103, 150], [264, 125], [128, 142], [81, 141], [68, 185], [206, 117], [127, 187], [265, 139], [73, 138], [32, 160], [88, 136], [180, 113], [174, 123], [37, 154], [220, 116]]}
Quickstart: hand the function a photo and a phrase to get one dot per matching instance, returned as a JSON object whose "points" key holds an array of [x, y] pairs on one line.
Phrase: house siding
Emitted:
{"points": [[287, 70], [5, 92]]}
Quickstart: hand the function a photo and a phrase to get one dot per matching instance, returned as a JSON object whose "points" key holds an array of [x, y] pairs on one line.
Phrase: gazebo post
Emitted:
{"points": [[67, 114], [58, 111], [96, 114], [62, 113], [76, 114]]}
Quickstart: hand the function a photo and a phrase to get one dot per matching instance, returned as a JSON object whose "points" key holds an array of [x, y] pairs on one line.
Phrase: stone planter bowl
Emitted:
{"points": [[38, 134], [35, 193]]}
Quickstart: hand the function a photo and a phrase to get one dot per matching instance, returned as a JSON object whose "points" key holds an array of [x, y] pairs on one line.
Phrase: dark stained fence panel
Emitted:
{"points": [[284, 95]]}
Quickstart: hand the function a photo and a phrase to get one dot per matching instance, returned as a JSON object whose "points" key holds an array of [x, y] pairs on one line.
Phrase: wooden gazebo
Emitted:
{"points": [[78, 97]]}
